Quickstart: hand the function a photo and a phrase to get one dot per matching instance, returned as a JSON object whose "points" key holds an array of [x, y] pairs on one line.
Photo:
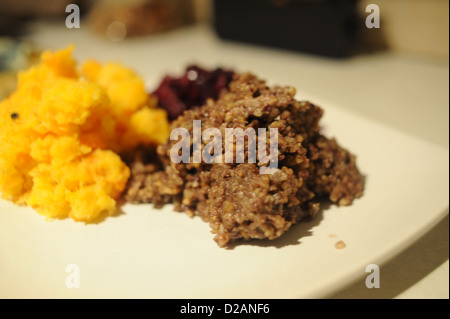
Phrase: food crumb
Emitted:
{"points": [[340, 245]]}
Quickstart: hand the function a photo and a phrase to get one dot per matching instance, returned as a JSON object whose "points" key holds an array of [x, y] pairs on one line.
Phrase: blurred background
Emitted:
{"points": [[330, 28], [397, 74]]}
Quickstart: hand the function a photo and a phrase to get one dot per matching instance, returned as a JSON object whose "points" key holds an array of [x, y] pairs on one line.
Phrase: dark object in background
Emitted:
{"points": [[324, 27], [176, 95], [16, 15]]}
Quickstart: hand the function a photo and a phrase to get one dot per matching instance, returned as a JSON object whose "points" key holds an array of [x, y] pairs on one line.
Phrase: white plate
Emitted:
{"points": [[163, 254]]}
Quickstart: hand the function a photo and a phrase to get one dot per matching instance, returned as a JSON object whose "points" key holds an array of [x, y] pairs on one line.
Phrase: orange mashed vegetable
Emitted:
{"points": [[61, 132]]}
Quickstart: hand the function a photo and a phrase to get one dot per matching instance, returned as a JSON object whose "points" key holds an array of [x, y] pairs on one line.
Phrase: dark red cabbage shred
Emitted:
{"points": [[196, 85]]}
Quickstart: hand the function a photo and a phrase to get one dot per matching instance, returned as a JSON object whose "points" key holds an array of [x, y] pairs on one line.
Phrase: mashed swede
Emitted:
{"points": [[61, 132]]}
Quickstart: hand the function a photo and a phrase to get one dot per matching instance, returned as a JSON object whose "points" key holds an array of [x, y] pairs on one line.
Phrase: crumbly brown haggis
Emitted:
{"points": [[235, 199]]}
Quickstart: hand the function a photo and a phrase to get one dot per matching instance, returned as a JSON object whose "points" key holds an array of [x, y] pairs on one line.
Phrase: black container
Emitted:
{"points": [[324, 27]]}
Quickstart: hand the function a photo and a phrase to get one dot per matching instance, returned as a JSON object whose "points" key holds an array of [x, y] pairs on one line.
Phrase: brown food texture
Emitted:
{"points": [[235, 199], [340, 245]]}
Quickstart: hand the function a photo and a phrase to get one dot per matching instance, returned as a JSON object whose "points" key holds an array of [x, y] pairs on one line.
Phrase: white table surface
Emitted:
{"points": [[369, 85]]}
